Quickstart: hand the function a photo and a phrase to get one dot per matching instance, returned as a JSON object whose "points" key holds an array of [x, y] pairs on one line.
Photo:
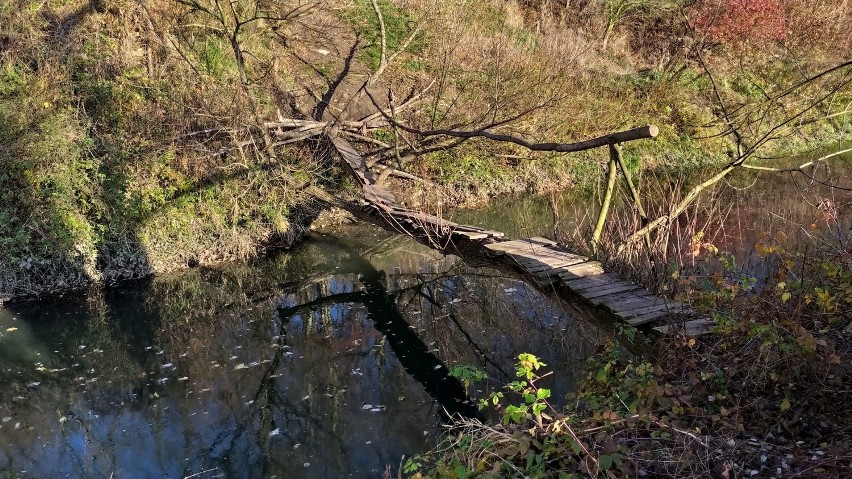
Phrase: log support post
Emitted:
{"points": [[634, 193], [607, 199], [616, 162]]}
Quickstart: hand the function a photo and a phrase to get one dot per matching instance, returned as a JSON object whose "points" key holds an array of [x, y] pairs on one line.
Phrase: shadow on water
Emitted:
{"points": [[415, 356], [327, 362]]}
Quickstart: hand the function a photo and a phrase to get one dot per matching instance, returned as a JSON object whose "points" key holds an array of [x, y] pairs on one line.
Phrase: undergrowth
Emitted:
{"points": [[766, 394]]}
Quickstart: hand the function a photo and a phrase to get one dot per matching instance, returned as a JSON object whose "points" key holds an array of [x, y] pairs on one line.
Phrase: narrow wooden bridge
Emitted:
{"points": [[542, 261]]}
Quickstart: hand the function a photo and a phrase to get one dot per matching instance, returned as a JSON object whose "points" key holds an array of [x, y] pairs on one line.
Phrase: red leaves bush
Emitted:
{"points": [[739, 23], [801, 25]]}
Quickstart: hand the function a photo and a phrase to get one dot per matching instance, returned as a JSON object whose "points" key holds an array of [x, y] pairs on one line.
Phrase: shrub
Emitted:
{"points": [[742, 23]]}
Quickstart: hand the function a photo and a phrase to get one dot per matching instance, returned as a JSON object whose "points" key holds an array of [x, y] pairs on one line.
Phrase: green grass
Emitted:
{"points": [[398, 25]]}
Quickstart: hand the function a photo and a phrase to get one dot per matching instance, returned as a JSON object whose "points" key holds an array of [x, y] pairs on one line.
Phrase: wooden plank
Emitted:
{"points": [[554, 266], [529, 265], [548, 258], [542, 241], [538, 250], [648, 314], [471, 235], [537, 255], [531, 242], [597, 283], [488, 233], [672, 306], [696, 327], [582, 270], [354, 160], [647, 318], [479, 230], [524, 245], [654, 315], [501, 247], [425, 218], [549, 276], [377, 195], [624, 287], [631, 300], [631, 303], [543, 279], [584, 266], [600, 280], [531, 252]]}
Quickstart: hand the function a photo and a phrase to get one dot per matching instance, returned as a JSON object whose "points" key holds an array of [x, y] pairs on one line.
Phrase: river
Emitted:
{"points": [[327, 361], [330, 360]]}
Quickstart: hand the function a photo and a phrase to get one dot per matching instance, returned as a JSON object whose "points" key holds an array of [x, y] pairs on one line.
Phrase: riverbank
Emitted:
{"points": [[134, 137]]}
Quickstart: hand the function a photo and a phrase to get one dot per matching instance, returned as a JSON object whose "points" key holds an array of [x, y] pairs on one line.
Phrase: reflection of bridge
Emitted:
{"points": [[580, 280]]}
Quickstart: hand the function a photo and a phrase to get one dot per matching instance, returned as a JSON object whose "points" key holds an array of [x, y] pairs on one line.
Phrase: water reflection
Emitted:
{"points": [[328, 362], [744, 209]]}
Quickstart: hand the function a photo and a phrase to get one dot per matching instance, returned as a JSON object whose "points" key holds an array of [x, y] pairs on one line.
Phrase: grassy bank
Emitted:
{"points": [[124, 154], [133, 138]]}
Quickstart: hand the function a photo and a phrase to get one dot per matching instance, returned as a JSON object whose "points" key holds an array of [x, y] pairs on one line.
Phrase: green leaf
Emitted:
{"points": [[605, 461], [575, 446]]}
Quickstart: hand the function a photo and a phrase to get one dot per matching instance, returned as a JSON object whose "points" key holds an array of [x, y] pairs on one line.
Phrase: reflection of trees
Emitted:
{"points": [[290, 323], [410, 350]]}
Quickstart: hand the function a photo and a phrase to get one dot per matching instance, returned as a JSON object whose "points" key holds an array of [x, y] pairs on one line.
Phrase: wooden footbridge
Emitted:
{"points": [[578, 280]]}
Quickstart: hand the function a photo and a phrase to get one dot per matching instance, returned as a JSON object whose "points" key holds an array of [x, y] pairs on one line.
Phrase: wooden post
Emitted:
{"points": [[607, 199], [633, 191]]}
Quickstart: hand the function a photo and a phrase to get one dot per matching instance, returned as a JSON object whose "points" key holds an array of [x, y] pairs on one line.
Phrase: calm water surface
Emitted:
{"points": [[746, 208], [330, 361]]}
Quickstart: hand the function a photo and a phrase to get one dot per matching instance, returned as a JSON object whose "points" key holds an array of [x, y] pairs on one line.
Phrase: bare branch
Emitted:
{"points": [[383, 59], [648, 131], [799, 168]]}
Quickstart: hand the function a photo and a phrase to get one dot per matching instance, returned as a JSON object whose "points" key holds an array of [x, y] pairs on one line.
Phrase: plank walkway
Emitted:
{"points": [[541, 259], [549, 264]]}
